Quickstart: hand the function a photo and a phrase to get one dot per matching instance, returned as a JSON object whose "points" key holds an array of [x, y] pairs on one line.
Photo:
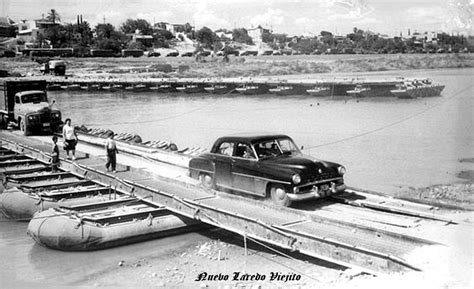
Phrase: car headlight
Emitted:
{"points": [[30, 117], [296, 179], [341, 170]]}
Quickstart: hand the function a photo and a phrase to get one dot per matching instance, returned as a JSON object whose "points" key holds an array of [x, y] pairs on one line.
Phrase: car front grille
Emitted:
{"points": [[45, 117]]}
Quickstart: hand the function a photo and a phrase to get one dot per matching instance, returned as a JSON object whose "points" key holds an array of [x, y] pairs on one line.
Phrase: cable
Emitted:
{"points": [[393, 123]]}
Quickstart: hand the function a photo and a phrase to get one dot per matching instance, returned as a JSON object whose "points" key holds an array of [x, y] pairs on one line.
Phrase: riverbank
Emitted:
{"points": [[109, 68]]}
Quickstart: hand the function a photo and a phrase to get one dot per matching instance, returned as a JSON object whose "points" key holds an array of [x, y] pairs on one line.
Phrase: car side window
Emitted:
{"points": [[267, 149], [17, 99], [244, 151], [226, 148]]}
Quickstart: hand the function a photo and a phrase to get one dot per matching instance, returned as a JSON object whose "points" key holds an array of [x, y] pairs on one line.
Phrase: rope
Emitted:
{"points": [[393, 123]]}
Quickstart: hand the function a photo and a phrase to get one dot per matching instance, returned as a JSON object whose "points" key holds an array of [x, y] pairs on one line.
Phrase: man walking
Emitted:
{"points": [[111, 151]]}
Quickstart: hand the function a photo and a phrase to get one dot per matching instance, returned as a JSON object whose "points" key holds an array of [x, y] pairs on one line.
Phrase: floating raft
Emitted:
{"points": [[21, 204], [246, 86], [103, 225]]}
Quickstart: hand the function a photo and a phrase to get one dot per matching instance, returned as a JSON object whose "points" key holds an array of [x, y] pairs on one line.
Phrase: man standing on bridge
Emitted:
{"points": [[70, 139], [111, 151]]}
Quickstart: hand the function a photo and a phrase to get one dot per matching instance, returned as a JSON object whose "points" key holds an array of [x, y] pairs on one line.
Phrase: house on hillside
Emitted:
{"points": [[29, 30], [146, 40], [174, 28], [257, 35], [224, 35]]}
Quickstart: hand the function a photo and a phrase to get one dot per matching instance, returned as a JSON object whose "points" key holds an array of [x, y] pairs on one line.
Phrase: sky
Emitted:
{"points": [[293, 17]]}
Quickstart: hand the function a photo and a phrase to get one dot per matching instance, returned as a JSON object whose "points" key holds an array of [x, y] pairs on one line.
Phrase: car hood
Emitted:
{"points": [[306, 166]]}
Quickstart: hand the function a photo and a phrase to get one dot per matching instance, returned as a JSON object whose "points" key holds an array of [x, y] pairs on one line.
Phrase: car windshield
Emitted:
{"points": [[276, 147], [35, 98]]}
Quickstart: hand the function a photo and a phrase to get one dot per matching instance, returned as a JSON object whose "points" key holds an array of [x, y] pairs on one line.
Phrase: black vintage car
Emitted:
{"points": [[267, 166]]}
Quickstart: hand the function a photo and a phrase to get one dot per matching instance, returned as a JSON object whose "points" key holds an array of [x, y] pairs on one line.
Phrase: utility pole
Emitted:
{"points": [[104, 18]]}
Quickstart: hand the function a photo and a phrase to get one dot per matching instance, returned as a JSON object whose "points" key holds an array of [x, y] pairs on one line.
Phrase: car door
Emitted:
{"points": [[223, 163], [245, 169]]}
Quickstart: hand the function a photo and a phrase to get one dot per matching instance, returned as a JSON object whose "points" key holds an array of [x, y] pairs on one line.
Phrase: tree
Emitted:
{"points": [[188, 28], [136, 45], [325, 34], [130, 26], [327, 38], [163, 34], [241, 35], [306, 46], [104, 30], [206, 37], [108, 38], [79, 34], [53, 16], [267, 37], [56, 35]]}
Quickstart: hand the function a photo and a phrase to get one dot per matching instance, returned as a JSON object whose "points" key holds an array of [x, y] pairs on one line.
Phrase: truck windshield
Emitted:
{"points": [[276, 147], [33, 98]]}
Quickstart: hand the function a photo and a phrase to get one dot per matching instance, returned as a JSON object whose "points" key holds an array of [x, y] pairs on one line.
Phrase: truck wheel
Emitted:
{"points": [[279, 196], [23, 128], [206, 181]]}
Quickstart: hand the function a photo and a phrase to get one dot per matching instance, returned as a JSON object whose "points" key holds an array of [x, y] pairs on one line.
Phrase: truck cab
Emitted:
{"points": [[25, 103], [56, 67], [34, 113]]}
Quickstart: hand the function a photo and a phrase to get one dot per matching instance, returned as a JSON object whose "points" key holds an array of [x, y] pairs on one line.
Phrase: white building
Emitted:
{"points": [[29, 30]]}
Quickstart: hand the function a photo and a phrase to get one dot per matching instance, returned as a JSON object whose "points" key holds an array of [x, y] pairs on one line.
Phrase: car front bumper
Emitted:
{"points": [[316, 193]]}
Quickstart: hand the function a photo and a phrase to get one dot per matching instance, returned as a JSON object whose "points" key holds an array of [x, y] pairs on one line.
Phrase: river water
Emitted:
{"points": [[386, 144]]}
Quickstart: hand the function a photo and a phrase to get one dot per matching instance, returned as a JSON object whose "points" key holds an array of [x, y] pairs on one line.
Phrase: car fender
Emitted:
{"points": [[200, 165]]}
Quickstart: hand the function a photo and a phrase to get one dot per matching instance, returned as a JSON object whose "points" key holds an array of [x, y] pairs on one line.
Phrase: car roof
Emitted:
{"points": [[252, 138]]}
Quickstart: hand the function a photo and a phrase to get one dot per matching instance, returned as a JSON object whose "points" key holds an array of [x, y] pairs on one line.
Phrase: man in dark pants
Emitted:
{"points": [[55, 155], [111, 151]]}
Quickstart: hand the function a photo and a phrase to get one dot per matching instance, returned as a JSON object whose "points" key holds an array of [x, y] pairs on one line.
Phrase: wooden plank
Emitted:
{"points": [[75, 193], [90, 206], [40, 176], [17, 162], [57, 185]]}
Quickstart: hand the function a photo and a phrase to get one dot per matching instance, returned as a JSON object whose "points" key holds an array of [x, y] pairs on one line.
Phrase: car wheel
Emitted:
{"points": [[206, 181], [23, 128], [279, 196]]}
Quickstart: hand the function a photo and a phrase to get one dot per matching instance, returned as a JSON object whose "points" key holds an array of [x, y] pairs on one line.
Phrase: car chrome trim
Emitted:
{"points": [[314, 194], [260, 178], [245, 159], [203, 171], [319, 182]]}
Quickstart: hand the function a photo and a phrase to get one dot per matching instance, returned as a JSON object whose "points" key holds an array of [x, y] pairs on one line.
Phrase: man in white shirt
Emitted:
{"points": [[70, 139]]}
